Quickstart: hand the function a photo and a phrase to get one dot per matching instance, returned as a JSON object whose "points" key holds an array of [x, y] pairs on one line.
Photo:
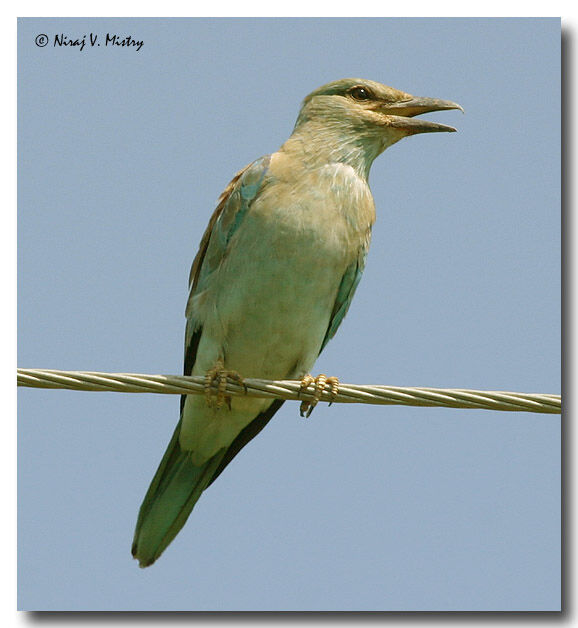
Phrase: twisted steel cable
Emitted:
{"points": [[292, 390]]}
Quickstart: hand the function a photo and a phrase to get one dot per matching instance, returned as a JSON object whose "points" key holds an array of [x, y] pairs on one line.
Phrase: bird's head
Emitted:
{"points": [[367, 115]]}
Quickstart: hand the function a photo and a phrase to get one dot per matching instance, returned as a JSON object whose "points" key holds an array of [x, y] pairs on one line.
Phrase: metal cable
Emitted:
{"points": [[291, 390]]}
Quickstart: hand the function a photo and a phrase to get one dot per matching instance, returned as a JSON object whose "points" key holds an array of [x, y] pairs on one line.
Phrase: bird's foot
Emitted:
{"points": [[219, 375], [321, 382]]}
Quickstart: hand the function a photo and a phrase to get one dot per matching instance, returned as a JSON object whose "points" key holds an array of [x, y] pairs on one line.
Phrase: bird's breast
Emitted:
{"points": [[330, 202]]}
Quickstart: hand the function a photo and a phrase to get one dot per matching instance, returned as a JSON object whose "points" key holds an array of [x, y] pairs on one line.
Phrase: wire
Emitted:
{"points": [[292, 390]]}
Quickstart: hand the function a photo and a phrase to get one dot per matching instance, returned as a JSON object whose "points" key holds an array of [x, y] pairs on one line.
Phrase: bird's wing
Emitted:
{"points": [[345, 293], [231, 209]]}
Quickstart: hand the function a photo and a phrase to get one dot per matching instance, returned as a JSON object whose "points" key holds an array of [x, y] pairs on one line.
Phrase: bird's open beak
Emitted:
{"points": [[401, 114]]}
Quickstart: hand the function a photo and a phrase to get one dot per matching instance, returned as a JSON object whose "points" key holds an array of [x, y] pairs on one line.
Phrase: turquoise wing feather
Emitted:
{"points": [[347, 287], [233, 205]]}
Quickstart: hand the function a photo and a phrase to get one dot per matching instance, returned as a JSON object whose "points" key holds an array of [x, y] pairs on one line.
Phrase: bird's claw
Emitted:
{"points": [[219, 375], [320, 384]]}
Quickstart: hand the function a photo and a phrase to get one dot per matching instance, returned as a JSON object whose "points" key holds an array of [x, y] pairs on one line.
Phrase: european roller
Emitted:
{"points": [[274, 276]]}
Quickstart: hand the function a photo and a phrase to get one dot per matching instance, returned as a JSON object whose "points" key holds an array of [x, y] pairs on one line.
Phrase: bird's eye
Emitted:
{"points": [[360, 93]]}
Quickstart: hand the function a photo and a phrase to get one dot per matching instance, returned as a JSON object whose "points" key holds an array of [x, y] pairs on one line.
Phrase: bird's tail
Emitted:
{"points": [[175, 489]]}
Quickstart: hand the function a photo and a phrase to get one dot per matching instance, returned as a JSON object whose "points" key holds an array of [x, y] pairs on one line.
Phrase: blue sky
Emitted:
{"points": [[122, 155]]}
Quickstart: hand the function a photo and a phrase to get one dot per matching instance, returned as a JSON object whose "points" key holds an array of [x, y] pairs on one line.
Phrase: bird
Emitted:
{"points": [[274, 276]]}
